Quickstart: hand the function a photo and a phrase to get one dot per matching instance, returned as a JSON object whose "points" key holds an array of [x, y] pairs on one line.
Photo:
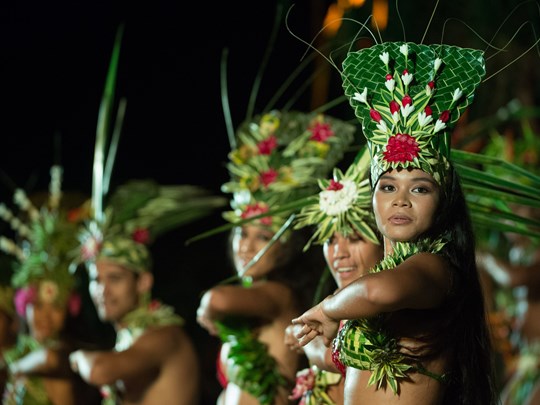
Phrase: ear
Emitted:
{"points": [[145, 282]]}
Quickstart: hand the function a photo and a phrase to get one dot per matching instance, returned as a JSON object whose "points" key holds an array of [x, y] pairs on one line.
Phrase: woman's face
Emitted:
{"points": [[404, 203], [350, 258], [247, 241], [45, 319]]}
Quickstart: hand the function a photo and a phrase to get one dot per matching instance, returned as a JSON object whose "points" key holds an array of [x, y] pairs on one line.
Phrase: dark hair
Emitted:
{"points": [[299, 270], [466, 331]]}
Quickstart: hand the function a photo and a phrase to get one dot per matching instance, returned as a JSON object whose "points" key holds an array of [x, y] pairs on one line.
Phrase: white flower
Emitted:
{"points": [[424, 119], [361, 97], [429, 90], [390, 84], [381, 126], [395, 117], [384, 57], [405, 111], [335, 202], [404, 49], [457, 94], [438, 126], [407, 78], [437, 64], [48, 291]]}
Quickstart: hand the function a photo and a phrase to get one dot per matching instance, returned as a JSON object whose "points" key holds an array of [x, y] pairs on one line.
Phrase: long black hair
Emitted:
{"points": [[466, 331]]}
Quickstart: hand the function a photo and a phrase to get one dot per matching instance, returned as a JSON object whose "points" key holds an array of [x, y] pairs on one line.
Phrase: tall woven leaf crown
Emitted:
{"points": [[408, 97]]}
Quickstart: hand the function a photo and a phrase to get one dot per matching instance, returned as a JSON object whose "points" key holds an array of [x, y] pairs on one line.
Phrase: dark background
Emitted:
{"points": [[54, 57]]}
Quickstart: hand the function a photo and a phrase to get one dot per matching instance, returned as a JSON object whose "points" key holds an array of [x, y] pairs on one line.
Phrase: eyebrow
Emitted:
{"points": [[414, 179]]}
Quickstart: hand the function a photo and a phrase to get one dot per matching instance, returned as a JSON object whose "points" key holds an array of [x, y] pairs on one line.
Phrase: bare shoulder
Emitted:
{"points": [[163, 339], [430, 265]]}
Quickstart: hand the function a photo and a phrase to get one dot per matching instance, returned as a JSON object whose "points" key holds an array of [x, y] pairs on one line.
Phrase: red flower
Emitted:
{"points": [[389, 77], [267, 145], [154, 305], [141, 235], [394, 107], [401, 148], [405, 71], [445, 116], [268, 177], [375, 115], [320, 132], [431, 85], [428, 110], [334, 185], [406, 100], [252, 210]]}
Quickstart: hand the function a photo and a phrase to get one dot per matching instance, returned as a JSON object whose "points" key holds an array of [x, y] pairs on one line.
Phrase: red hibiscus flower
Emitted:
{"points": [[320, 132], [401, 148], [267, 145]]}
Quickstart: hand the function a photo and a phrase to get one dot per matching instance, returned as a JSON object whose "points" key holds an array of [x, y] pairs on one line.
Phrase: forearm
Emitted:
{"points": [[352, 302], [33, 362]]}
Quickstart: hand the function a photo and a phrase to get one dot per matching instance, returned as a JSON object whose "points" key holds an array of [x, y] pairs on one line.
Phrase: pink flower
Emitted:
{"points": [[253, 210], [74, 304], [394, 107], [267, 145], [23, 297], [305, 382], [268, 177], [445, 116], [428, 110], [401, 148], [141, 235], [334, 185], [375, 115], [320, 132], [406, 100]]}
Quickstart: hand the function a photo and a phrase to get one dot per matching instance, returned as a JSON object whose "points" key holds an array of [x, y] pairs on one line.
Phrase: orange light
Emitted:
{"points": [[356, 3], [332, 20], [380, 14]]}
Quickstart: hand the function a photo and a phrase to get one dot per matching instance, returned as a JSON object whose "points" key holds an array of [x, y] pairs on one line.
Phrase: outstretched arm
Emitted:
{"points": [[148, 353], [264, 300], [420, 282]]}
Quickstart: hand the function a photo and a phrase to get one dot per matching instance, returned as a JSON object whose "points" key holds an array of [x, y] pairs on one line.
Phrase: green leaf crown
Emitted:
{"points": [[408, 97], [279, 157]]}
